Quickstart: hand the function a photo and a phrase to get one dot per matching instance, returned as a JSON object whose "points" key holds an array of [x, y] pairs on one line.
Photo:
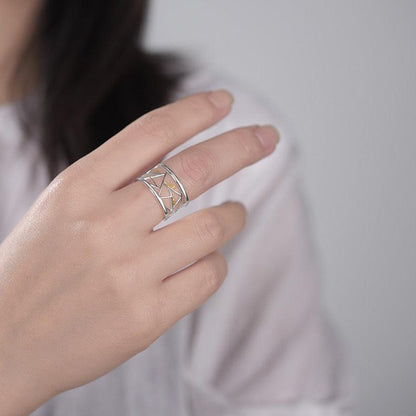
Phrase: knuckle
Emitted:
{"points": [[221, 263], [213, 274], [158, 124], [97, 230], [74, 173], [247, 143], [209, 228], [65, 182], [89, 234], [200, 104], [242, 216], [67, 192], [67, 175], [198, 165]]}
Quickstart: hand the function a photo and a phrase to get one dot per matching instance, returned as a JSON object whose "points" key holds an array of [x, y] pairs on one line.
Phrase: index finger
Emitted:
{"points": [[147, 139]]}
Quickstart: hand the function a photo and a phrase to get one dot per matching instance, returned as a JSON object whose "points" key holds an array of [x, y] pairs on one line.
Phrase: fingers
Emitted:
{"points": [[188, 289], [145, 141], [195, 236], [203, 165]]}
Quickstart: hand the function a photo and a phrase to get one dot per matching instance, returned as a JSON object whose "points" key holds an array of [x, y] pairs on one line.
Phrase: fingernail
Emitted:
{"points": [[232, 201], [267, 135], [222, 99]]}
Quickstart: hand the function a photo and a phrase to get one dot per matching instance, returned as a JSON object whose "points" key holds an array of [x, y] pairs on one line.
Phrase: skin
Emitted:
{"points": [[81, 279], [82, 285]]}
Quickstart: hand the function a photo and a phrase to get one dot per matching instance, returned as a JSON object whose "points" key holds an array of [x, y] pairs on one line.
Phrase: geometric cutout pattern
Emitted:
{"points": [[166, 187]]}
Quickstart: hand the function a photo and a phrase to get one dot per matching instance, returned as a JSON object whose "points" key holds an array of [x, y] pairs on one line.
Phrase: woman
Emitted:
{"points": [[99, 304]]}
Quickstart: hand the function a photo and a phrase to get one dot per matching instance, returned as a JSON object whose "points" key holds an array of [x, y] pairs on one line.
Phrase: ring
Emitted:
{"points": [[166, 187]]}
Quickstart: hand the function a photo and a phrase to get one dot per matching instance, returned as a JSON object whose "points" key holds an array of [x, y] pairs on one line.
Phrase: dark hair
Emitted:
{"points": [[94, 75]]}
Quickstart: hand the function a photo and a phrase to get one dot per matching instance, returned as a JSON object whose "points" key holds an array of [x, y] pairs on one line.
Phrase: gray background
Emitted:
{"points": [[343, 73]]}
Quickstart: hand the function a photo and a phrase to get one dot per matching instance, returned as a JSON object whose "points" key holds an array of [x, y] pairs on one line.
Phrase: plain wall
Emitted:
{"points": [[343, 73]]}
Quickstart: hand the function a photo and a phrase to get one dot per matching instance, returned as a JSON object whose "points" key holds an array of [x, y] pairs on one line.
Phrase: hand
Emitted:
{"points": [[85, 282]]}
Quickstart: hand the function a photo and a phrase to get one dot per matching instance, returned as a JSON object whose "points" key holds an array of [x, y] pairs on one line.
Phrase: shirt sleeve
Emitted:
{"points": [[262, 344]]}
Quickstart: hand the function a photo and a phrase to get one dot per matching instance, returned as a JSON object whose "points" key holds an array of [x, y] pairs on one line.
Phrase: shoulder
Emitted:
{"points": [[249, 107]]}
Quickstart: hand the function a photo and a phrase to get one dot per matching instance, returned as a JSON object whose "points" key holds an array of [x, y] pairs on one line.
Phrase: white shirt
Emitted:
{"points": [[260, 346]]}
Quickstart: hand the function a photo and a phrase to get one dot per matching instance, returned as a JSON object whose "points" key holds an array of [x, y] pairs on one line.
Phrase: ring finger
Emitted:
{"points": [[201, 233]]}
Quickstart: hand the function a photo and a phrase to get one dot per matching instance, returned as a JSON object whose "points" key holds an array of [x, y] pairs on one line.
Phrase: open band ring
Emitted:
{"points": [[166, 187]]}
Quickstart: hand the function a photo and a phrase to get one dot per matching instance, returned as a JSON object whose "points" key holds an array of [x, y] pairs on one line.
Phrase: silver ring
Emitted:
{"points": [[166, 187]]}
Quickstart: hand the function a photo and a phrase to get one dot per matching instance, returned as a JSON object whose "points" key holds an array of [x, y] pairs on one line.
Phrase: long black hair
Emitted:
{"points": [[94, 75]]}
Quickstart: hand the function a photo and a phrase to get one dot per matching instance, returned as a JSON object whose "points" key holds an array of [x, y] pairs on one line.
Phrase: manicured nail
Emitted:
{"points": [[267, 135], [222, 99]]}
